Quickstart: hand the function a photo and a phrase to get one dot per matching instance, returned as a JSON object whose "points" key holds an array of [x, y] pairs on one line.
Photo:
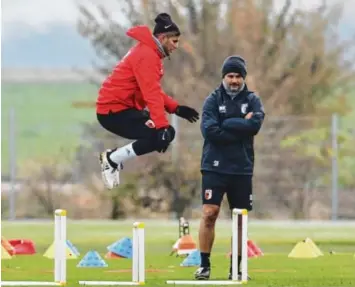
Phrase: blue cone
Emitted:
{"points": [[193, 259], [122, 247], [92, 259]]}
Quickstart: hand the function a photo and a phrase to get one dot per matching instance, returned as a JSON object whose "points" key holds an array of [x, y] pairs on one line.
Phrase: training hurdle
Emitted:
{"points": [[138, 266], [244, 262], [60, 234]]}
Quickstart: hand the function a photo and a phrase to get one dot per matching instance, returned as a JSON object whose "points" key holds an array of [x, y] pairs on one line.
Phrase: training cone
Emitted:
{"points": [[122, 248], [92, 259], [303, 250], [186, 245], [250, 254], [50, 252], [7, 245], [111, 255], [4, 253], [254, 249], [175, 247], [193, 259], [313, 246], [23, 246], [73, 248]]}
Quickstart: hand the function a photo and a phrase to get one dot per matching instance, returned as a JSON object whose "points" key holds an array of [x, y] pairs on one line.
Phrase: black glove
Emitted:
{"points": [[164, 137], [187, 113]]}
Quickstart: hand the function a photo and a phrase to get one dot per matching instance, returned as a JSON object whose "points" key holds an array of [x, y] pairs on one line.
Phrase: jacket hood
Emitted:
{"points": [[142, 34]]}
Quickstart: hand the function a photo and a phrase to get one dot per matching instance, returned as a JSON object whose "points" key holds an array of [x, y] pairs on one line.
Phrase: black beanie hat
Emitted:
{"points": [[234, 64], [164, 24]]}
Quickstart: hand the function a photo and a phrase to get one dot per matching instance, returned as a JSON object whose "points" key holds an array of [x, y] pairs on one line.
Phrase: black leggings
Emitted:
{"points": [[130, 124]]}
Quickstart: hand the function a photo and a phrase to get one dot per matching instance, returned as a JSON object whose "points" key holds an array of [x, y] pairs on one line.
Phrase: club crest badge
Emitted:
{"points": [[244, 108], [222, 109], [208, 194]]}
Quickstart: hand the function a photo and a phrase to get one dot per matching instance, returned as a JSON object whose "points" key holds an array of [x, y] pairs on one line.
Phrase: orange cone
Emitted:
{"points": [[112, 255], [253, 250], [186, 245], [6, 244], [251, 253], [256, 250]]}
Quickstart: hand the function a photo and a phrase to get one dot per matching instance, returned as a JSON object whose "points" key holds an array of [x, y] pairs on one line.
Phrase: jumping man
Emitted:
{"points": [[133, 86]]}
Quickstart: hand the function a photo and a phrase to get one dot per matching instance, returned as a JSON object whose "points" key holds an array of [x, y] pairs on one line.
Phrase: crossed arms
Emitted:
{"points": [[231, 129]]}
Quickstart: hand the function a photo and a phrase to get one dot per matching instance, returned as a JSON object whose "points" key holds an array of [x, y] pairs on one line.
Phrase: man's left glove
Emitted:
{"points": [[187, 113]]}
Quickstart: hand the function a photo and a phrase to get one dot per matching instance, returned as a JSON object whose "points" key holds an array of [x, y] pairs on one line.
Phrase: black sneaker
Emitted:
{"points": [[239, 276], [203, 273]]}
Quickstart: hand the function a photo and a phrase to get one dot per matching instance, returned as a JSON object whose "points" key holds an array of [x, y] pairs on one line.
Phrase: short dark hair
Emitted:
{"points": [[169, 34]]}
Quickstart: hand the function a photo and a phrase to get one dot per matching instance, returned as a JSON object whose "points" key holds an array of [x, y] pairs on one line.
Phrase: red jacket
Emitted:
{"points": [[135, 81]]}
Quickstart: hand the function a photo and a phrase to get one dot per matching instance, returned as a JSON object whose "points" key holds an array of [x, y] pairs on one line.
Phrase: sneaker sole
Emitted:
{"points": [[202, 278], [102, 175]]}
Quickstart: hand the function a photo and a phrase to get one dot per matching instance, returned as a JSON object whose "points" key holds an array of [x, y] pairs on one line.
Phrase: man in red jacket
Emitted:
{"points": [[133, 86]]}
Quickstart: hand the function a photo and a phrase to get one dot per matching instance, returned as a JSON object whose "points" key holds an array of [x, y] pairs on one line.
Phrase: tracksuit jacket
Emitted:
{"points": [[135, 81], [228, 137]]}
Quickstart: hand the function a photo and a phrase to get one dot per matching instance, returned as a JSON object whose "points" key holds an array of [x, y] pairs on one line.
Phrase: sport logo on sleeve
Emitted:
{"points": [[208, 194]]}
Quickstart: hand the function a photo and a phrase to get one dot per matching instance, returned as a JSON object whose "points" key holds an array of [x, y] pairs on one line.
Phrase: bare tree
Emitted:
{"points": [[290, 65]]}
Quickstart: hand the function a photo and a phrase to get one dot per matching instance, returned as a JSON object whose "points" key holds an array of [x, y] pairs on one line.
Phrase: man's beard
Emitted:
{"points": [[166, 51], [234, 88]]}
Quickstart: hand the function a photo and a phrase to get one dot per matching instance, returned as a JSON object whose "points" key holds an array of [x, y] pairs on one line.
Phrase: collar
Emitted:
{"points": [[160, 47]]}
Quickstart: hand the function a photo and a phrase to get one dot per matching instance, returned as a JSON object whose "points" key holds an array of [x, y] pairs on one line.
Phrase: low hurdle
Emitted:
{"points": [[138, 265], [244, 262], [60, 234]]}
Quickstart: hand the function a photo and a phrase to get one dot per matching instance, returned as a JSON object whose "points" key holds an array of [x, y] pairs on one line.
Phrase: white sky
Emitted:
{"points": [[42, 14]]}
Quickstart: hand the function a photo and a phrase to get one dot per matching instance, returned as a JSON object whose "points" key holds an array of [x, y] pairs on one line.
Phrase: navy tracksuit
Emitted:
{"points": [[227, 162]]}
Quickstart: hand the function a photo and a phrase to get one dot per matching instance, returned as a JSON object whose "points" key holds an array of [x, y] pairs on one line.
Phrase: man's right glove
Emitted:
{"points": [[187, 113], [164, 137]]}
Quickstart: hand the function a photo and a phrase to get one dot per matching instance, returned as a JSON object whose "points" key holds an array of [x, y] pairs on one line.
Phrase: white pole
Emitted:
{"points": [[12, 160], [63, 240], [135, 259], [334, 167], [60, 225], [244, 263], [141, 250], [57, 247], [235, 244]]}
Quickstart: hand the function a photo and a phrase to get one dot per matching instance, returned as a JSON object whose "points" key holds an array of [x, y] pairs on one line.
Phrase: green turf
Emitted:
{"points": [[273, 269], [45, 120]]}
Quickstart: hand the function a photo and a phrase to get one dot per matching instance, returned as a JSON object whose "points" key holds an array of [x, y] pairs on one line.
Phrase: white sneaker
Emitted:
{"points": [[110, 174]]}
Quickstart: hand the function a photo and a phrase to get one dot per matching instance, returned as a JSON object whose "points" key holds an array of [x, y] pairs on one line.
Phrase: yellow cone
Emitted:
{"points": [[4, 253], [313, 246], [303, 250], [50, 253]]}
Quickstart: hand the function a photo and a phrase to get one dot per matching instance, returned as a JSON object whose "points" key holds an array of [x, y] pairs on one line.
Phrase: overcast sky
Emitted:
{"points": [[36, 33], [40, 15]]}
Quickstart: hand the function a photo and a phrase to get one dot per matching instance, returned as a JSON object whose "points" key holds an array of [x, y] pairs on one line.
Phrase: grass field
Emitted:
{"points": [[273, 269], [45, 120]]}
